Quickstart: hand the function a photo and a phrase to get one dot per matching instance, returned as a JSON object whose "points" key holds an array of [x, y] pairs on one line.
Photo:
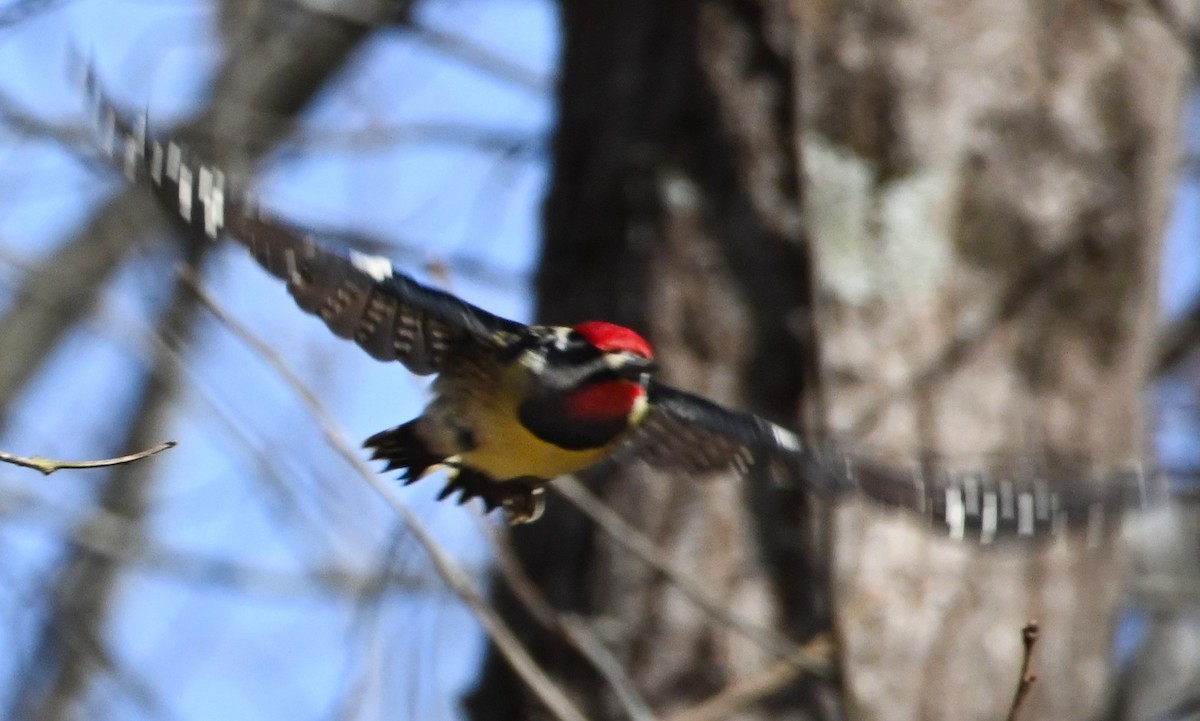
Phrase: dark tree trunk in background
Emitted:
{"points": [[675, 208], [969, 270]]}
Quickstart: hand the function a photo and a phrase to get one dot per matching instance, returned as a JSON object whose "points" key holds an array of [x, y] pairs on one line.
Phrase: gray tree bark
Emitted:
{"points": [[675, 209], [988, 184], [968, 275]]}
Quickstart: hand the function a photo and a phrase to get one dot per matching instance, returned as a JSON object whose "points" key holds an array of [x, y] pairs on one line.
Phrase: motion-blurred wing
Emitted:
{"points": [[987, 505], [693, 434], [984, 506], [362, 297], [359, 296]]}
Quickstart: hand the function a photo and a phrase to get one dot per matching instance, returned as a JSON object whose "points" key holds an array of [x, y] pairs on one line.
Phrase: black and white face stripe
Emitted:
{"points": [[562, 359]]}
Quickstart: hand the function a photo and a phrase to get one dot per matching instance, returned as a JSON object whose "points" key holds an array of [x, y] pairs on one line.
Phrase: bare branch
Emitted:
{"points": [[1177, 340], [509, 143], [574, 630], [479, 57], [113, 536], [740, 695], [642, 547], [73, 650], [18, 12], [1029, 637], [48, 465]]}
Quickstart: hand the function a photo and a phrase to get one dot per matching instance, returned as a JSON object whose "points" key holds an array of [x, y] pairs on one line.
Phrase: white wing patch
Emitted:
{"points": [[185, 192], [135, 146], [956, 514], [534, 361], [174, 158], [786, 440], [212, 196], [109, 132], [376, 266], [156, 162]]}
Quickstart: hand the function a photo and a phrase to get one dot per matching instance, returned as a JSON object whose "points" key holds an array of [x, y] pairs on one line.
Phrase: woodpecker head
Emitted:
{"points": [[594, 372], [589, 384], [625, 352]]}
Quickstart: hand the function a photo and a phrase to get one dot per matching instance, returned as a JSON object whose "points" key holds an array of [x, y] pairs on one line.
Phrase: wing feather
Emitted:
{"points": [[691, 433], [360, 296]]}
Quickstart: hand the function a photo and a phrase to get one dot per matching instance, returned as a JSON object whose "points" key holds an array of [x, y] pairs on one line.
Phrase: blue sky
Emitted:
{"points": [[266, 654], [208, 650]]}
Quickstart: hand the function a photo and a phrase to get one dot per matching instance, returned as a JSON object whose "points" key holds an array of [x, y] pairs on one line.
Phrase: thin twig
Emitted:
{"points": [[1029, 637], [637, 543], [113, 536], [969, 333], [1178, 340], [48, 465], [18, 12], [571, 627], [742, 694], [499, 141], [456, 579], [480, 57]]}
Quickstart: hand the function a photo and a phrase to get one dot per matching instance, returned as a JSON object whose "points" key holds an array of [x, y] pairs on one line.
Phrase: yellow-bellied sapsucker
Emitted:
{"points": [[516, 405], [513, 405]]}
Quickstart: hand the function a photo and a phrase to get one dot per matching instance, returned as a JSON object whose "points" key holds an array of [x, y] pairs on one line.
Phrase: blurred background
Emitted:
{"points": [[262, 548], [971, 231]]}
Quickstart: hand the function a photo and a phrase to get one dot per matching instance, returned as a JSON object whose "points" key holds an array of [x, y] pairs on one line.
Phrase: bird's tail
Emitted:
{"points": [[403, 448]]}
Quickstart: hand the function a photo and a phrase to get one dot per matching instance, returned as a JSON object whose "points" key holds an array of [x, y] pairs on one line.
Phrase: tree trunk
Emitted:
{"points": [[675, 208], [968, 272], [988, 185]]}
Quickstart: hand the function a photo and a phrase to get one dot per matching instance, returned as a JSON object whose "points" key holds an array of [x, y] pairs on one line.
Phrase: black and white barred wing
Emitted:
{"points": [[992, 505], [363, 298], [360, 296], [693, 434], [982, 506]]}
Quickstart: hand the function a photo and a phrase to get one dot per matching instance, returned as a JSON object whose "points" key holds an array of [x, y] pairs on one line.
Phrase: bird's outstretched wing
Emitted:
{"points": [[691, 433], [990, 504], [359, 296]]}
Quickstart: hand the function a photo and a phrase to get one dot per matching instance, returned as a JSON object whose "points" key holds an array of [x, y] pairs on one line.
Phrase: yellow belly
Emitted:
{"points": [[506, 450], [503, 448]]}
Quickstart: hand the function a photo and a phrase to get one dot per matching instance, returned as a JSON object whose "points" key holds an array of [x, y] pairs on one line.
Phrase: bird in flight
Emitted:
{"points": [[516, 405], [513, 405]]}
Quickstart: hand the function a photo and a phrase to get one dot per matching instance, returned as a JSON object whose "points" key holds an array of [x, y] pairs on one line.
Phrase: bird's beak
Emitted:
{"points": [[636, 366]]}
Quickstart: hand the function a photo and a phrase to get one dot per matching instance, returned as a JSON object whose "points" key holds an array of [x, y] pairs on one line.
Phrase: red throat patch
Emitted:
{"points": [[613, 338], [604, 401]]}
